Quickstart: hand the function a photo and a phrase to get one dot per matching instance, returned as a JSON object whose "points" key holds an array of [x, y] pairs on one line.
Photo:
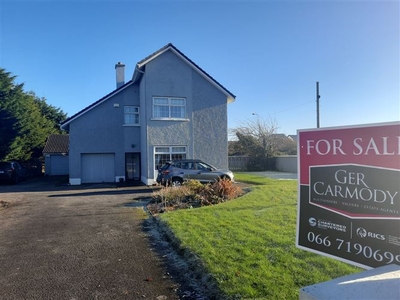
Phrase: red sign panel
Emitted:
{"points": [[349, 193]]}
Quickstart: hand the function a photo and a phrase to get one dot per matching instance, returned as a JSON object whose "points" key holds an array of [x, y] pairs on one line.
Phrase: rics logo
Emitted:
{"points": [[361, 232]]}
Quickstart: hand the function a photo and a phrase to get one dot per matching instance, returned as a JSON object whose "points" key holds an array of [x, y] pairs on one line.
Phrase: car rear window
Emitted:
{"points": [[165, 166]]}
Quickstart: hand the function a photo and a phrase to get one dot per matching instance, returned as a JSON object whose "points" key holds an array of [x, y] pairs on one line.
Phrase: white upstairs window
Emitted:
{"points": [[131, 115], [169, 108]]}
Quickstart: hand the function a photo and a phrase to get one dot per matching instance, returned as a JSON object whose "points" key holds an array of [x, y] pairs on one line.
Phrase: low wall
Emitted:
{"points": [[238, 163], [286, 163]]}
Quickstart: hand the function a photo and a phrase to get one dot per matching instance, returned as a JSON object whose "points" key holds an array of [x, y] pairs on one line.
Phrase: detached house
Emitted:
{"points": [[170, 109]]}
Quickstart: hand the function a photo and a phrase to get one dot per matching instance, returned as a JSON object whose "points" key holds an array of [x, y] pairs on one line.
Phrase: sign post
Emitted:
{"points": [[349, 193]]}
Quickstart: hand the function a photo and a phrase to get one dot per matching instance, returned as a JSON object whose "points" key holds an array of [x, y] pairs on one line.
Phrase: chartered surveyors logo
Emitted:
{"points": [[325, 224], [356, 191], [312, 221]]}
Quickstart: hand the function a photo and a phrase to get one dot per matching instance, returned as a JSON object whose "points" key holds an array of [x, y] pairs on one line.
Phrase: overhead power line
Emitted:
{"points": [[293, 107]]}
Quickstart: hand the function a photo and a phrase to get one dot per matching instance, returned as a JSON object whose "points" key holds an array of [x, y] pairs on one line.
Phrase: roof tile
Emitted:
{"points": [[57, 143]]}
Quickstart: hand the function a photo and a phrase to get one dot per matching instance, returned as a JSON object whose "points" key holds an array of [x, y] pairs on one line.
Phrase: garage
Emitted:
{"points": [[56, 165], [98, 167], [56, 151]]}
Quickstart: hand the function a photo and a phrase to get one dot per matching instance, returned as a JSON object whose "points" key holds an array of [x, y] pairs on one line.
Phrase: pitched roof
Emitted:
{"points": [[138, 74], [57, 143], [94, 104]]}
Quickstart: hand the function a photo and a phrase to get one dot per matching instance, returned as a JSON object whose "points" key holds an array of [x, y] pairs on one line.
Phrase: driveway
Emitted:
{"points": [[87, 242]]}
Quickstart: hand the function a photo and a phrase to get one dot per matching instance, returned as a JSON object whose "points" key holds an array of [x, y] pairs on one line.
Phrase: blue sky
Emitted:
{"points": [[268, 53]]}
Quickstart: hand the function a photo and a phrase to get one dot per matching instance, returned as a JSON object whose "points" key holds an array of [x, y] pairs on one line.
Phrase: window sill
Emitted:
{"points": [[170, 119], [130, 125]]}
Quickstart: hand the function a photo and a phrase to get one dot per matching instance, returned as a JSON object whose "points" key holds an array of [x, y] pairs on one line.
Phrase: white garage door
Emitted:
{"points": [[98, 167]]}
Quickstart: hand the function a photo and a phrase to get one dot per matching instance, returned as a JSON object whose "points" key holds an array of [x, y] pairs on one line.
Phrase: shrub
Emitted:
{"points": [[225, 189], [194, 194], [194, 185], [172, 196], [217, 192]]}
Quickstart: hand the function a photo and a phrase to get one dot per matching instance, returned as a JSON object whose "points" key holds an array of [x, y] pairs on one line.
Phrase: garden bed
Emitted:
{"points": [[193, 194]]}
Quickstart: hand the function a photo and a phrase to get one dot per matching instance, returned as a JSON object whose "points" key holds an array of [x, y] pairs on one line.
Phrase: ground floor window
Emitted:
{"points": [[163, 154]]}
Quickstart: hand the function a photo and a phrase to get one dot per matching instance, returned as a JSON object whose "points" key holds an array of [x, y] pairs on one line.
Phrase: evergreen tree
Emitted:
{"points": [[50, 112], [25, 121]]}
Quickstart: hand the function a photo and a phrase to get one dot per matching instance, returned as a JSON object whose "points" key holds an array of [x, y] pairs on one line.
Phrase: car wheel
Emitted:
{"points": [[15, 179], [224, 177], [176, 181]]}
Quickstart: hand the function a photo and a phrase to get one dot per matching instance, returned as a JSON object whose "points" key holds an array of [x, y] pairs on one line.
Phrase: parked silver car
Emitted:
{"points": [[177, 171]]}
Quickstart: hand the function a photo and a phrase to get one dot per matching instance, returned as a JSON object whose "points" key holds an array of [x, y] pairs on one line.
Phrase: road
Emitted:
{"points": [[77, 243]]}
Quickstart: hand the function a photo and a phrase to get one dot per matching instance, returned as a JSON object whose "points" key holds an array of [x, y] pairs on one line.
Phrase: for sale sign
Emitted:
{"points": [[349, 193]]}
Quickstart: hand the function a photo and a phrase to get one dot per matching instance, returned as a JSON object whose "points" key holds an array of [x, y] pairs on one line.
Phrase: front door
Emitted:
{"points": [[132, 166]]}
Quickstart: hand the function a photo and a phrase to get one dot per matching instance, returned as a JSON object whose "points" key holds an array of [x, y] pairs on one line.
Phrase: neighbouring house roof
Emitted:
{"points": [[57, 143], [139, 70], [279, 136], [293, 137]]}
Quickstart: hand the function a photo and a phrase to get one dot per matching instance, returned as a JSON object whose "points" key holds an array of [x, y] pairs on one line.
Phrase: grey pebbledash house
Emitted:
{"points": [[170, 109]]}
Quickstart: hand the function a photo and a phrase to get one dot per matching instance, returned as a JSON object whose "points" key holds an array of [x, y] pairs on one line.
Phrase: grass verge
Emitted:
{"points": [[248, 244]]}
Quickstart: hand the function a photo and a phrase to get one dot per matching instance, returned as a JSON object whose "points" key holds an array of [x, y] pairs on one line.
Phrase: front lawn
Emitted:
{"points": [[248, 244]]}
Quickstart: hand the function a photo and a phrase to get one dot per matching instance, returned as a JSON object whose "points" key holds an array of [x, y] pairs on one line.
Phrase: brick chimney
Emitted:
{"points": [[120, 73]]}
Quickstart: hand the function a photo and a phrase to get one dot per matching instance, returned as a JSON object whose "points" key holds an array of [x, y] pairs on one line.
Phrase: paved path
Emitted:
{"points": [[83, 243]]}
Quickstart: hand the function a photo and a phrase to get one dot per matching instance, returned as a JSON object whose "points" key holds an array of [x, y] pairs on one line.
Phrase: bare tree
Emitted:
{"points": [[258, 134]]}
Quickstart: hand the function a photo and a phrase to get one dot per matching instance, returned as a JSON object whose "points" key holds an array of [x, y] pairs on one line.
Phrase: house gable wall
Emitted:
{"points": [[209, 123], [166, 76], [204, 131]]}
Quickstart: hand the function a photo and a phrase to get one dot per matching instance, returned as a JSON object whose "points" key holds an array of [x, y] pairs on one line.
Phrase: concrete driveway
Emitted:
{"points": [[60, 242]]}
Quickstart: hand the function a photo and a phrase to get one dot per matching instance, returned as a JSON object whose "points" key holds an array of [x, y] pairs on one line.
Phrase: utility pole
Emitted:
{"points": [[318, 96]]}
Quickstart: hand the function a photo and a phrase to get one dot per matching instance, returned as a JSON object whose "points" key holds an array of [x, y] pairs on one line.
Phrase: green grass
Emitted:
{"points": [[248, 244]]}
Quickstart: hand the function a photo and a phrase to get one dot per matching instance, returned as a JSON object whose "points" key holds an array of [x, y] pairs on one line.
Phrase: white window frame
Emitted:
{"points": [[170, 152], [169, 105], [136, 112]]}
